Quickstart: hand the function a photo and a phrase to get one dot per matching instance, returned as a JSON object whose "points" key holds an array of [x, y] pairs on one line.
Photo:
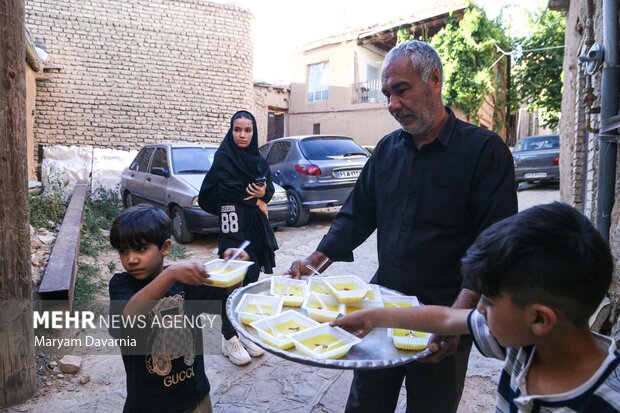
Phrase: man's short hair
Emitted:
{"points": [[549, 254], [139, 225], [424, 58]]}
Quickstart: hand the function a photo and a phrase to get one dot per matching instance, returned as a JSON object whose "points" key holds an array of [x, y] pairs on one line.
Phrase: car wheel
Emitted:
{"points": [[299, 215], [128, 200], [179, 227]]}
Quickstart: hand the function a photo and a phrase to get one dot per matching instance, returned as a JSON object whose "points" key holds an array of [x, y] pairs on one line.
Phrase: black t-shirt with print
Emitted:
{"points": [[171, 376]]}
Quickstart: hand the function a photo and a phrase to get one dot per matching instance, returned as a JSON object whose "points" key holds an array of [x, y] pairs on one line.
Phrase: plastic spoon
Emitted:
{"points": [[243, 246], [274, 332], [285, 288], [315, 272], [320, 300], [326, 347]]}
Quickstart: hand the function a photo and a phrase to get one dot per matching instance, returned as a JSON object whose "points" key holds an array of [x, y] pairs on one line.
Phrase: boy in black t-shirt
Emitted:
{"points": [[165, 369]]}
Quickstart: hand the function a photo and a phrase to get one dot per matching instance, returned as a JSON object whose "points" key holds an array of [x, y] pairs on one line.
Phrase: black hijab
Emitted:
{"points": [[234, 165]]}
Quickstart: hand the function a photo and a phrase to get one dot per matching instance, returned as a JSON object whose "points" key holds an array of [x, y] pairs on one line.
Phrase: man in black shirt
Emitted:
{"points": [[428, 189]]}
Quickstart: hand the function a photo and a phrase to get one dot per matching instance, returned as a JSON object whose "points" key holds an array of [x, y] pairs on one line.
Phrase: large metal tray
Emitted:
{"points": [[376, 351]]}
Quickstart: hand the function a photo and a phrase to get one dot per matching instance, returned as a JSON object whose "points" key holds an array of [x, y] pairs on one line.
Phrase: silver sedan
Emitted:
{"points": [[537, 158]]}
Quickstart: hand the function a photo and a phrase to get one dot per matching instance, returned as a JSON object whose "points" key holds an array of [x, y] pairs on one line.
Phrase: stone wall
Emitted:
{"points": [[123, 73]]}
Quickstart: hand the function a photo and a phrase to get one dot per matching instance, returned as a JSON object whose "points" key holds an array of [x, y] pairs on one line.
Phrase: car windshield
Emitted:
{"points": [[331, 148], [536, 143], [192, 160]]}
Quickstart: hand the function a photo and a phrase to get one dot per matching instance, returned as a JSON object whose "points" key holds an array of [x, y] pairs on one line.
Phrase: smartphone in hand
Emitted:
{"points": [[260, 181]]}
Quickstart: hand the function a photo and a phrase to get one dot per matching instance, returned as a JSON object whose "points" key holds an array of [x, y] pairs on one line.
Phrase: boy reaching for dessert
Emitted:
{"points": [[541, 274]]}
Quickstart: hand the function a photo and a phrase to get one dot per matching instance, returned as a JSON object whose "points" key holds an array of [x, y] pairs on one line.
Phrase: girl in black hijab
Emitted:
{"points": [[237, 190]]}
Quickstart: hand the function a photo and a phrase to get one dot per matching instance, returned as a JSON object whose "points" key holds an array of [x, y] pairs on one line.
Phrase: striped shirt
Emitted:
{"points": [[599, 394]]}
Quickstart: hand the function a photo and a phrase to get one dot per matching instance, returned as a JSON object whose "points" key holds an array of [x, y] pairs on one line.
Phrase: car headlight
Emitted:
{"points": [[195, 202], [279, 196]]}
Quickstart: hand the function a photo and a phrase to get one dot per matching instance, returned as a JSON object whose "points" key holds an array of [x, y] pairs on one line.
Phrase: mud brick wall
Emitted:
{"points": [[123, 73]]}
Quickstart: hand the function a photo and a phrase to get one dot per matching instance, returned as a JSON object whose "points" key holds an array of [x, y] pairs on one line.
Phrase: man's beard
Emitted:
{"points": [[417, 125]]}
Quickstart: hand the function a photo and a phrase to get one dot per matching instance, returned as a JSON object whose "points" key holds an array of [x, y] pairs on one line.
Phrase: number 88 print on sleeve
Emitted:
{"points": [[229, 219]]}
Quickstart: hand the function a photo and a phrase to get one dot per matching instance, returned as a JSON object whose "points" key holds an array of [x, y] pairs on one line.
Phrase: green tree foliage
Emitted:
{"points": [[471, 52], [537, 65]]}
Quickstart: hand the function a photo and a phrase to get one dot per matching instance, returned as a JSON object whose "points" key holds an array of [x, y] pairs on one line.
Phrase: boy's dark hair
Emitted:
{"points": [[139, 225], [549, 254]]}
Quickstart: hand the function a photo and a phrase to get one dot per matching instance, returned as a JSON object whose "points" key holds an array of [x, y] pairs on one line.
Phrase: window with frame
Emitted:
{"points": [[318, 88], [192, 160], [136, 161], [278, 152], [538, 143], [372, 72], [160, 160], [141, 162], [146, 159]]}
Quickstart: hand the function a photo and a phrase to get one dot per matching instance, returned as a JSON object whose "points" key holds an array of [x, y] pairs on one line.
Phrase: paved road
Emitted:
{"points": [[269, 383], [534, 194]]}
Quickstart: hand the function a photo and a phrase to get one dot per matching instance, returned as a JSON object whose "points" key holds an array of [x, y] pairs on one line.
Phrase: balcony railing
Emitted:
{"points": [[369, 91]]}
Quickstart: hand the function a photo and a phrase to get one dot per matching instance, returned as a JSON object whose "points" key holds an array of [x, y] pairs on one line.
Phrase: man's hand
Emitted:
{"points": [[297, 269], [355, 323], [300, 267], [441, 346], [243, 256]]}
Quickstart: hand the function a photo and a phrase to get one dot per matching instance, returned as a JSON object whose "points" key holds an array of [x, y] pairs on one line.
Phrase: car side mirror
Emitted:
{"points": [[161, 171]]}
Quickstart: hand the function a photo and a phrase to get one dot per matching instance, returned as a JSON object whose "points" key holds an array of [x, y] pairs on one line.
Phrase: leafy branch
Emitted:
{"points": [[474, 50], [537, 65]]}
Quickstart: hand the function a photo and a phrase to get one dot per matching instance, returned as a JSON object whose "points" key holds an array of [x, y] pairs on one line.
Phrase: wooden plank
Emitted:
{"points": [[59, 278], [17, 367]]}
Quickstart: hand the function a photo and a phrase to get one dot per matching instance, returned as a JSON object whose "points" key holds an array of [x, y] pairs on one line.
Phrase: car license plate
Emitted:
{"points": [[535, 175], [347, 174]]}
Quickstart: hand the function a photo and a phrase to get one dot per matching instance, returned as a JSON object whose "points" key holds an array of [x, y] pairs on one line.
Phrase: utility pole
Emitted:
{"points": [[17, 366]]}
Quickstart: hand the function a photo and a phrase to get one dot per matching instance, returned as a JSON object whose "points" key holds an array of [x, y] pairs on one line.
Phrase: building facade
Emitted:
{"points": [[336, 85], [271, 104]]}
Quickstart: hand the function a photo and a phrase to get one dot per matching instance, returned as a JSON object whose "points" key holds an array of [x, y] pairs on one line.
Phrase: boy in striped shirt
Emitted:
{"points": [[541, 273]]}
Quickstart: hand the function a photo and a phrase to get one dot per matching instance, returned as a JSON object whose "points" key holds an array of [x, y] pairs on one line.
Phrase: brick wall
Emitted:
{"points": [[261, 113], [580, 152], [139, 71]]}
